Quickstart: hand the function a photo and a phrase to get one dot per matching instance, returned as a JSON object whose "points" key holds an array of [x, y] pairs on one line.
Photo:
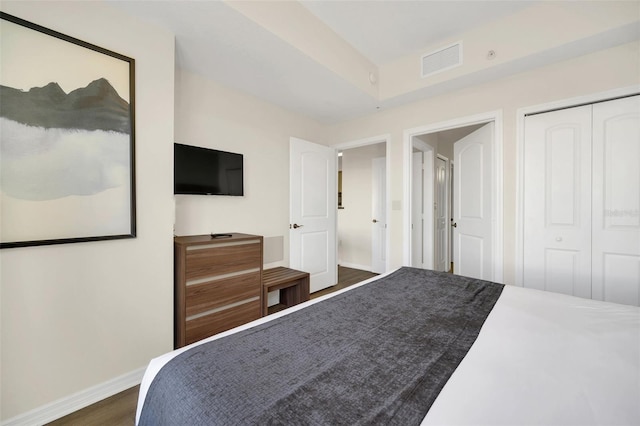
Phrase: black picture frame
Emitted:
{"points": [[67, 139]]}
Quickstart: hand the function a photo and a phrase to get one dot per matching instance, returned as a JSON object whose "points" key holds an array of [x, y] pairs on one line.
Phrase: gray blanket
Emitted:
{"points": [[378, 354]]}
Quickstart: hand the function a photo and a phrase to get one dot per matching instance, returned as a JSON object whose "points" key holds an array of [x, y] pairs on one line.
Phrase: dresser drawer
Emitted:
{"points": [[201, 326], [217, 293], [209, 260], [218, 284]]}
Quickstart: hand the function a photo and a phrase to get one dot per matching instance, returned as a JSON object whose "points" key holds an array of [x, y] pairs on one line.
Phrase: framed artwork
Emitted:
{"points": [[67, 163]]}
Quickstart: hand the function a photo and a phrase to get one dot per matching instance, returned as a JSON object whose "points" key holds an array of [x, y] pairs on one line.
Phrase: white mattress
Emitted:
{"points": [[541, 358]]}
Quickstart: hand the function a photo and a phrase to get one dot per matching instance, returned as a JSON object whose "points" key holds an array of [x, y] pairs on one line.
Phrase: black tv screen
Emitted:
{"points": [[207, 171]]}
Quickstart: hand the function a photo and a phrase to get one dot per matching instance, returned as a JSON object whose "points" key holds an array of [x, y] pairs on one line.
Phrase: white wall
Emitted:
{"points": [[354, 221], [214, 116], [75, 316], [605, 70]]}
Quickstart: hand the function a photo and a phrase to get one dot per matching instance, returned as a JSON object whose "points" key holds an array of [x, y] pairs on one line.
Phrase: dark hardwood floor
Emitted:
{"points": [[346, 278], [120, 409]]}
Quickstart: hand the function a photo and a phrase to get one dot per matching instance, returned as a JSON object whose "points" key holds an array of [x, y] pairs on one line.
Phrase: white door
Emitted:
{"points": [[422, 208], [313, 207], [379, 216], [616, 201], [441, 250], [417, 202], [428, 212], [557, 201], [472, 206]]}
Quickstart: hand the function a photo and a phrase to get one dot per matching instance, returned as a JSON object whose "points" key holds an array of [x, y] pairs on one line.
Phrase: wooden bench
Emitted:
{"points": [[294, 286]]}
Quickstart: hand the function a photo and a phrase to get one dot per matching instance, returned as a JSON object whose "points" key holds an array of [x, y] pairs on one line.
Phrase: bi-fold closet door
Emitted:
{"points": [[582, 201]]}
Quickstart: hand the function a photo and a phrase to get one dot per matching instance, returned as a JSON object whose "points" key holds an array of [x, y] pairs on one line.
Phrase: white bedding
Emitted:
{"points": [[541, 358]]}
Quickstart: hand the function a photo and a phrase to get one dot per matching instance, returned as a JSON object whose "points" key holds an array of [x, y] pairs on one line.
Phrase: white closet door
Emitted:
{"points": [[616, 201], [557, 201]]}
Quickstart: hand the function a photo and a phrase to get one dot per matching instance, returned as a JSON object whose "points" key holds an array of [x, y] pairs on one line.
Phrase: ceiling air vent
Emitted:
{"points": [[442, 59]]}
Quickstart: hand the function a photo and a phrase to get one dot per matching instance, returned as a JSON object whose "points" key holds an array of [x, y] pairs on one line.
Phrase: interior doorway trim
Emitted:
{"points": [[373, 140], [521, 113], [497, 190]]}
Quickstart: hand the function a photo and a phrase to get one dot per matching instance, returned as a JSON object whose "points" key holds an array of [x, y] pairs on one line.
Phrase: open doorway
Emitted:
{"points": [[363, 211], [432, 198], [454, 227]]}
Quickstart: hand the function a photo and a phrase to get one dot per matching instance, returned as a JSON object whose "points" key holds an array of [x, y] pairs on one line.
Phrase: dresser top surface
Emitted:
{"points": [[208, 238]]}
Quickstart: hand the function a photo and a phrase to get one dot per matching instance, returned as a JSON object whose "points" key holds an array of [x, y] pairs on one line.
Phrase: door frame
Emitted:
{"points": [[373, 140], [521, 113], [497, 189]]}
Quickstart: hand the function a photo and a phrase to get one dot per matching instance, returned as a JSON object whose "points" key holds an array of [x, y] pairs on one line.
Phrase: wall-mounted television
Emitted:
{"points": [[205, 171]]}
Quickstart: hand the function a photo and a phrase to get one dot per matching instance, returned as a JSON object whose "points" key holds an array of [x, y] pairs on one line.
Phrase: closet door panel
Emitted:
{"points": [[557, 201], [616, 201], [561, 270], [620, 278]]}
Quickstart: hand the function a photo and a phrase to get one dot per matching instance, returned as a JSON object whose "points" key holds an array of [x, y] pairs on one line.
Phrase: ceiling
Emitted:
{"points": [[387, 30], [222, 42]]}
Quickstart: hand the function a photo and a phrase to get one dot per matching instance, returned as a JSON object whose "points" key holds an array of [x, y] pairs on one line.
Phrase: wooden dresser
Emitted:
{"points": [[218, 284]]}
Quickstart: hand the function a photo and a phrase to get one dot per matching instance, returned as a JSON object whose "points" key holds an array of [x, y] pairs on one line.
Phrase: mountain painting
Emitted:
{"points": [[56, 145], [66, 157]]}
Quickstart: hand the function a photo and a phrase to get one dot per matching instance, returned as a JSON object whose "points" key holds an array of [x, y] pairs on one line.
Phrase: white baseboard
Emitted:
{"points": [[77, 401], [356, 266]]}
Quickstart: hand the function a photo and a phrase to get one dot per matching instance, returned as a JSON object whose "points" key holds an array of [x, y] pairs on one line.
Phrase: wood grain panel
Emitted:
{"points": [[213, 261], [218, 293], [273, 277], [202, 327]]}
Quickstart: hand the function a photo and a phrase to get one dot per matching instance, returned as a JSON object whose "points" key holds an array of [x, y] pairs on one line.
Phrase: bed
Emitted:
{"points": [[410, 347]]}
